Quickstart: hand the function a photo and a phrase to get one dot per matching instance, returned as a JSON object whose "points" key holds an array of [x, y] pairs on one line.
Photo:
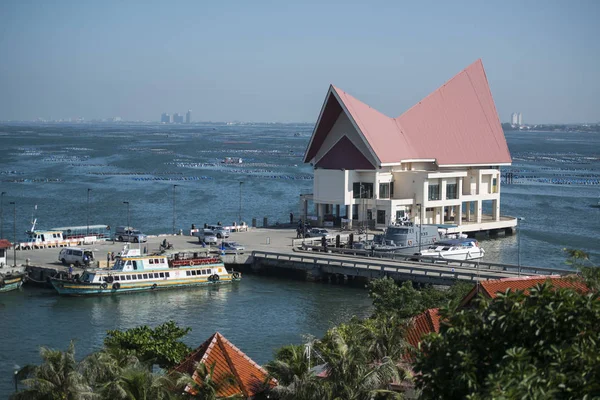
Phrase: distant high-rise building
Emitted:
{"points": [[177, 119], [514, 119], [188, 117], [165, 118], [520, 119]]}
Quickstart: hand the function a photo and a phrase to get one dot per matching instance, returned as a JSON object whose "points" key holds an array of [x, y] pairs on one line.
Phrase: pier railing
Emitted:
{"points": [[399, 269]]}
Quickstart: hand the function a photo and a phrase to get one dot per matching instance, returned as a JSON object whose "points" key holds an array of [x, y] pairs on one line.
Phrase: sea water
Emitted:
{"points": [[47, 171]]}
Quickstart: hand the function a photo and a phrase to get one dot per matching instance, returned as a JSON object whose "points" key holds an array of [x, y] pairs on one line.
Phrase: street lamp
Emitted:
{"points": [[14, 233], [241, 183], [174, 186], [304, 221], [420, 224], [126, 202], [519, 245], [1, 214], [88, 212]]}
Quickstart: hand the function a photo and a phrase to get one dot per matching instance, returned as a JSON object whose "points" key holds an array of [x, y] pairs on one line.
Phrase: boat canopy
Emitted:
{"points": [[82, 228]]}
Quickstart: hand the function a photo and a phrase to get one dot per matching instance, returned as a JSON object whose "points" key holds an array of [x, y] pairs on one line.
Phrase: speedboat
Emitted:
{"points": [[134, 272], [463, 249]]}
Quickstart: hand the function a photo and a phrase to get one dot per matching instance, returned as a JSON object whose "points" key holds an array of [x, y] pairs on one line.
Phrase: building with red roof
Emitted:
{"points": [[435, 163], [229, 362]]}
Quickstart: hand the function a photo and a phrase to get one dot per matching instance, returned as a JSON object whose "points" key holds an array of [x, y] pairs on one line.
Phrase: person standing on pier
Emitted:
{"points": [[291, 218]]}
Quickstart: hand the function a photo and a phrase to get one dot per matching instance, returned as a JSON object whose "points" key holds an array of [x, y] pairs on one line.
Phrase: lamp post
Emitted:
{"points": [[87, 232], [519, 245], [420, 224], [240, 215], [14, 233], [126, 202], [2, 214], [174, 186], [304, 221]]}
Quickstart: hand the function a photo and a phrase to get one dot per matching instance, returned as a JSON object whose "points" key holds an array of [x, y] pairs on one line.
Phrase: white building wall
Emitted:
{"points": [[330, 186]]}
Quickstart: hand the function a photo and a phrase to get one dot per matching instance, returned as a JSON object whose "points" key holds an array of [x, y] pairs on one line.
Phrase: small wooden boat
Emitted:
{"points": [[11, 281]]}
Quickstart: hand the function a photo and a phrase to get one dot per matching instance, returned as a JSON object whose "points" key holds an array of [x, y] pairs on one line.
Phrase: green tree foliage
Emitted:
{"points": [[405, 301], [209, 385], [590, 273], [545, 344], [57, 378], [160, 345]]}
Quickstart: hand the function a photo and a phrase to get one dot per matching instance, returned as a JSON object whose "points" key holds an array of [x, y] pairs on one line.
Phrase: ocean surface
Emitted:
{"points": [[47, 171]]}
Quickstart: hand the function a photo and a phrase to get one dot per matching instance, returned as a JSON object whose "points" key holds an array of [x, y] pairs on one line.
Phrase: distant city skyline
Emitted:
{"points": [[265, 61]]}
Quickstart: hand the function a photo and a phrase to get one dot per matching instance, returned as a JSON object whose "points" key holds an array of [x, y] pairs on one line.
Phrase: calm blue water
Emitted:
{"points": [[53, 166]]}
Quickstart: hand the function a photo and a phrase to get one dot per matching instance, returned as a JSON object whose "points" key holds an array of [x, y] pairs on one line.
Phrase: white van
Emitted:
{"points": [[75, 255]]}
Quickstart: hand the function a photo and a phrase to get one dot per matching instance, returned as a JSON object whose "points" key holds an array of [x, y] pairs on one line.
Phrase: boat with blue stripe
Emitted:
{"points": [[135, 272]]}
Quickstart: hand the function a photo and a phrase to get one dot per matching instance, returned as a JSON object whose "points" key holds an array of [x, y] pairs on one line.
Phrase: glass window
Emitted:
{"points": [[117, 278], [139, 276], [384, 190], [381, 216], [362, 190], [209, 271], [135, 265], [203, 272], [128, 277], [134, 277], [451, 191], [194, 272], [188, 273], [151, 261], [162, 275], [145, 276], [167, 274], [434, 192], [356, 190]]}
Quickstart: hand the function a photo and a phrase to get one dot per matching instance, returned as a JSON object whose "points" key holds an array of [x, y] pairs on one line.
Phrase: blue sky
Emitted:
{"points": [[274, 60]]}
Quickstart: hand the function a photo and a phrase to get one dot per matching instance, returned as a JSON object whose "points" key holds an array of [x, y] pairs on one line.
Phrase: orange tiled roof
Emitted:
{"points": [[228, 361], [426, 322], [491, 288], [5, 244]]}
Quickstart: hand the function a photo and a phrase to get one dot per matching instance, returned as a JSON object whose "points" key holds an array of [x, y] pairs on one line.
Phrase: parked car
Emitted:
{"points": [[232, 246], [129, 234], [219, 231], [317, 232], [206, 235], [75, 255]]}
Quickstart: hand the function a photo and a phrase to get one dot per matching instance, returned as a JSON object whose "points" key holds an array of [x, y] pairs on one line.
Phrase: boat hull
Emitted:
{"points": [[11, 283], [463, 256], [74, 288]]}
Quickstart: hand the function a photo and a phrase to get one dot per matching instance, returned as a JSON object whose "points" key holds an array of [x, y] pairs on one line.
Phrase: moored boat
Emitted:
{"points": [[11, 281], [455, 250], [134, 272]]}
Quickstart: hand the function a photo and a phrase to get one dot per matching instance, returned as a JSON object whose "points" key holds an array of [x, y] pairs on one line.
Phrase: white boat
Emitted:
{"points": [[136, 272], [463, 249]]}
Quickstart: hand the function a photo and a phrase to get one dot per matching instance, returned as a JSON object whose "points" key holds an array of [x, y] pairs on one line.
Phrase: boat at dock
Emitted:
{"points": [[406, 238], [463, 249], [135, 272], [11, 281]]}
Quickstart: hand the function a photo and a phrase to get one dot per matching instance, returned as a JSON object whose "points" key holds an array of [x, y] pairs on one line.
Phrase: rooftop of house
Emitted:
{"points": [[5, 244], [457, 124], [229, 361]]}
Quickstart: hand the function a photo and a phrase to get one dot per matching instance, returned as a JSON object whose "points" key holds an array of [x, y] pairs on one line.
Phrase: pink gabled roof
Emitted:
{"points": [[456, 125], [381, 132]]}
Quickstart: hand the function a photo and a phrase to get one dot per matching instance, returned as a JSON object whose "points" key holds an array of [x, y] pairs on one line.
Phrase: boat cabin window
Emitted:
{"points": [[135, 265], [117, 277], [194, 272], [162, 274], [167, 274], [128, 277], [134, 276], [151, 261], [145, 276], [188, 273]]}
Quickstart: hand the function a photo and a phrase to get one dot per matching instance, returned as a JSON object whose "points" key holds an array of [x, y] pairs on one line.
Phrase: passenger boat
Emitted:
{"points": [[455, 249], [40, 239], [134, 272], [11, 281]]}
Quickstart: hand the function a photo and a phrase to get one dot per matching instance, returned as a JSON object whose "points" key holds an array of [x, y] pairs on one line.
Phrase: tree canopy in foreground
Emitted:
{"points": [[544, 344]]}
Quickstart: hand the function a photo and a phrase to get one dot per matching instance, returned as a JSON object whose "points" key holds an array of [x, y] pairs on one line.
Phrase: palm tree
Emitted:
{"points": [[57, 378], [351, 371], [137, 383], [290, 361], [208, 388]]}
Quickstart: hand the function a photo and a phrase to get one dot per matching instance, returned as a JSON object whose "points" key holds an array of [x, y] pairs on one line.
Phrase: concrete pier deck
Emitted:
{"points": [[269, 248]]}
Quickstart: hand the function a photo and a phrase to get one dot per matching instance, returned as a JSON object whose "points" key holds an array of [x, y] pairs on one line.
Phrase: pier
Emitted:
{"points": [[277, 251]]}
